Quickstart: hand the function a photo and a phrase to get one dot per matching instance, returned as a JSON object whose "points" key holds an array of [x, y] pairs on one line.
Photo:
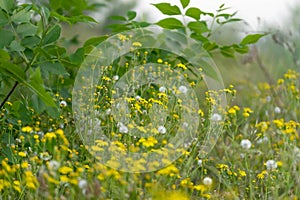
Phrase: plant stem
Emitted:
{"points": [[268, 77], [9, 94]]}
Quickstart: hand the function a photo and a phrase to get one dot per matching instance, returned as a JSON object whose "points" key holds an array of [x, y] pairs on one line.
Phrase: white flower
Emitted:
{"points": [[185, 124], [108, 111], [137, 98], [216, 117], [53, 164], [261, 140], [123, 129], [277, 110], [183, 89], [200, 162], [82, 184], [115, 77], [63, 103], [268, 98], [271, 164], [246, 144], [162, 89], [162, 129], [207, 181]]}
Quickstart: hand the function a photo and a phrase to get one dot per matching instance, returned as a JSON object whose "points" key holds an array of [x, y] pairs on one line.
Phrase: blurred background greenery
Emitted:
{"points": [[268, 60]]}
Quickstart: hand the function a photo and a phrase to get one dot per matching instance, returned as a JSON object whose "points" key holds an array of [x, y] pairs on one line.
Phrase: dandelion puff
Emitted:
{"points": [[207, 181], [246, 144], [277, 110], [53, 164], [123, 129], [183, 89], [115, 77], [216, 117], [162, 129], [82, 184], [185, 124], [271, 164], [137, 98], [162, 89], [200, 162], [63, 104]]}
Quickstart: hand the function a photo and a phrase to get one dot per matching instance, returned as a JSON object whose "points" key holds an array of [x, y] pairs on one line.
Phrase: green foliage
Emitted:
{"points": [[200, 30], [168, 9], [185, 3], [170, 23], [251, 39], [38, 119], [30, 51]]}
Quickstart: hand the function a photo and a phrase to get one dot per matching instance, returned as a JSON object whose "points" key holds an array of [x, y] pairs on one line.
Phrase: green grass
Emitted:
{"points": [[45, 158]]}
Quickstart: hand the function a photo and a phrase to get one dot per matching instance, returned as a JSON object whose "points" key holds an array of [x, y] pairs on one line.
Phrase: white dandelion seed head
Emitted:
{"points": [[216, 117], [115, 77], [53, 164], [162, 129], [123, 129], [200, 162], [271, 164], [137, 98], [246, 144], [183, 89], [185, 124], [207, 181], [63, 104], [82, 184], [108, 111], [162, 89], [277, 110]]}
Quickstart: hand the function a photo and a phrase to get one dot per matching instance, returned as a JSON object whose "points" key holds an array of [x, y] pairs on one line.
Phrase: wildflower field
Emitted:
{"points": [[140, 112]]}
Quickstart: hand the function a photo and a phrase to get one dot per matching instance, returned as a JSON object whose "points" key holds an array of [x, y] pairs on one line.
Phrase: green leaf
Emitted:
{"points": [[81, 18], [241, 48], [119, 27], [199, 37], [22, 16], [198, 27], [209, 46], [30, 42], [94, 41], [78, 57], [170, 23], [194, 13], [3, 18], [227, 51], [52, 35], [228, 21], [168, 9], [131, 15], [36, 84], [15, 46], [53, 68], [6, 38], [7, 5], [4, 55], [185, 3], [27, 29], [14, 71], [140, 24], [250, 39], [118, 18], [16, 106]]}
